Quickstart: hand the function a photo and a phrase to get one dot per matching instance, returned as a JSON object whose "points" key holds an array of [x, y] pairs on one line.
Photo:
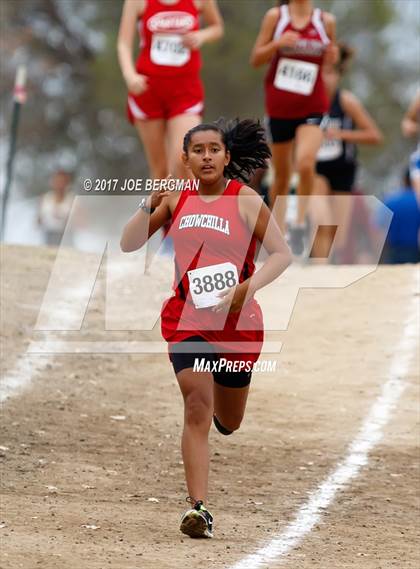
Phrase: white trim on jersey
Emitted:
{"points": [[136, 110], [319, 26], [283, 21], [195, 109]]}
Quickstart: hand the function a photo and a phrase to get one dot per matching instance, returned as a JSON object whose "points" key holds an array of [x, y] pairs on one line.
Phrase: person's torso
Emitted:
{"points": [[54, 213], [294, 84], [212, 239], [161, 27], [334, 152]]}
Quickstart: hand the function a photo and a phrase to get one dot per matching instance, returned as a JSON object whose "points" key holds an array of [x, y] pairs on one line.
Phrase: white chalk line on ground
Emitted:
{"points": [[28, 366], [21, 375], [369, 435]]}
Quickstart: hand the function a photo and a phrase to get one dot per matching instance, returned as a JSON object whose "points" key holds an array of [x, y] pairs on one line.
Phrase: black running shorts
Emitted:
{"points": [[182, 360], [340, 177], [284, 130]]}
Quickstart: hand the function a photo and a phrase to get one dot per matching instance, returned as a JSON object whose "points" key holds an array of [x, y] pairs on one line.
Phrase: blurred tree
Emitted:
{"points": [[74, 116]]}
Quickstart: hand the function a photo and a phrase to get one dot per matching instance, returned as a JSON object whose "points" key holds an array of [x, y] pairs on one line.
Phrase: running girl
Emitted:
{"points": [[166, 95], [213, 313], [296, 39], [348, 125]]}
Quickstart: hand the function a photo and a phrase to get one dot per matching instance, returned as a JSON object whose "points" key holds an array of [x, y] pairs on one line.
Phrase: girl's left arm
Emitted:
{"points": [[214, 26], [331, 53], [263, 226]]}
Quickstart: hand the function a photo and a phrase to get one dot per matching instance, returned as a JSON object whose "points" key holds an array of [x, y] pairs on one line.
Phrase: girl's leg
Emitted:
{"points": [[177, 128], [229, 405], [308, 142], [321, 216], [152, 133], [197, 391], [282, 166], [343, 210]]}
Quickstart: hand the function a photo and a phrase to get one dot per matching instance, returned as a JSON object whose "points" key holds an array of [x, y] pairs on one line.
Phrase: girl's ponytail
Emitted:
{"points": [[248, 148]]}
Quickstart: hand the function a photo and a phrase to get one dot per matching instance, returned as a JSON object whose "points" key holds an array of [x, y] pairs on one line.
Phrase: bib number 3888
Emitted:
{"points": [[208, 282]]}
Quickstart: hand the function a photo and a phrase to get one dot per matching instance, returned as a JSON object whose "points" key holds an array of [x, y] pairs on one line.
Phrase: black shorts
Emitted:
{"points": [[340, 177], [182, 360], [283, 130]]}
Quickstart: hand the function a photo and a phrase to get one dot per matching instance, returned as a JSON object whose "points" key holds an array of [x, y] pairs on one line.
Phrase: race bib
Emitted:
{"points": [[296, 76], [168, 49], [330, 150], [208, 282]]}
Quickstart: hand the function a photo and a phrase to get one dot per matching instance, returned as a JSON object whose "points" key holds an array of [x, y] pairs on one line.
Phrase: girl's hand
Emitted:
{"points": [[137, 84], [157, 197], [331, 54], [288, 39], [232, 299], [332, 134], [193, 40]]}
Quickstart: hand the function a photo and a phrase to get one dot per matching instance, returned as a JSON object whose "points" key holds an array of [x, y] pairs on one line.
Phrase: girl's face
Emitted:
{"points": [[207, 156]]}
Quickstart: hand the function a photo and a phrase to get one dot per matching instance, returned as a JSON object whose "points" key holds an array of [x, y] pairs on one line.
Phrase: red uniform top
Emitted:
{"points": [[161, 28], [207, 236], [293, 85]]}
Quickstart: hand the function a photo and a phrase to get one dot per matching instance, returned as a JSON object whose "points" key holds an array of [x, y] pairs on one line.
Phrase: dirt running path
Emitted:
{"points": [[95, 437]]}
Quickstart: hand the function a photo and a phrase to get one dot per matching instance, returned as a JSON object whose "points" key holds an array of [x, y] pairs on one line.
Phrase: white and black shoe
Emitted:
{"points": [[197, 522]]}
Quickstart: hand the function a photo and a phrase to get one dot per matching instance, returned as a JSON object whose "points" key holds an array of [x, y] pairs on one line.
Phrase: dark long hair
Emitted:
{"points": [[245, 141], [346, 54]]}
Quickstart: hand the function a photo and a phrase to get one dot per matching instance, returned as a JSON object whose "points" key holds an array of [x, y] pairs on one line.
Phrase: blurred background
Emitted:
{"points": [[74, 116]]}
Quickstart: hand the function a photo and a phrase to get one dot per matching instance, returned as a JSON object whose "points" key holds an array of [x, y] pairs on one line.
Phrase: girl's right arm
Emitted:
{"points": [[136, 83], [265, 46], [410, 123], [143, 225]]}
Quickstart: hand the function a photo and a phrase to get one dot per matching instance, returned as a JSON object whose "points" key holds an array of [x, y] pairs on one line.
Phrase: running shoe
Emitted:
{"points": [[197, 522]]}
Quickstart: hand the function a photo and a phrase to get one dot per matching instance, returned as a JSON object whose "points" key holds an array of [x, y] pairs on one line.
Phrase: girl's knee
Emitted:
{"points": [[198, 410], [306, 166]]}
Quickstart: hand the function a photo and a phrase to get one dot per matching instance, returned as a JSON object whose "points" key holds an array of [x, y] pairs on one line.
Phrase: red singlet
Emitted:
{"points": [[293, 85], [206, 234], [161, 28], [174, 86]]}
